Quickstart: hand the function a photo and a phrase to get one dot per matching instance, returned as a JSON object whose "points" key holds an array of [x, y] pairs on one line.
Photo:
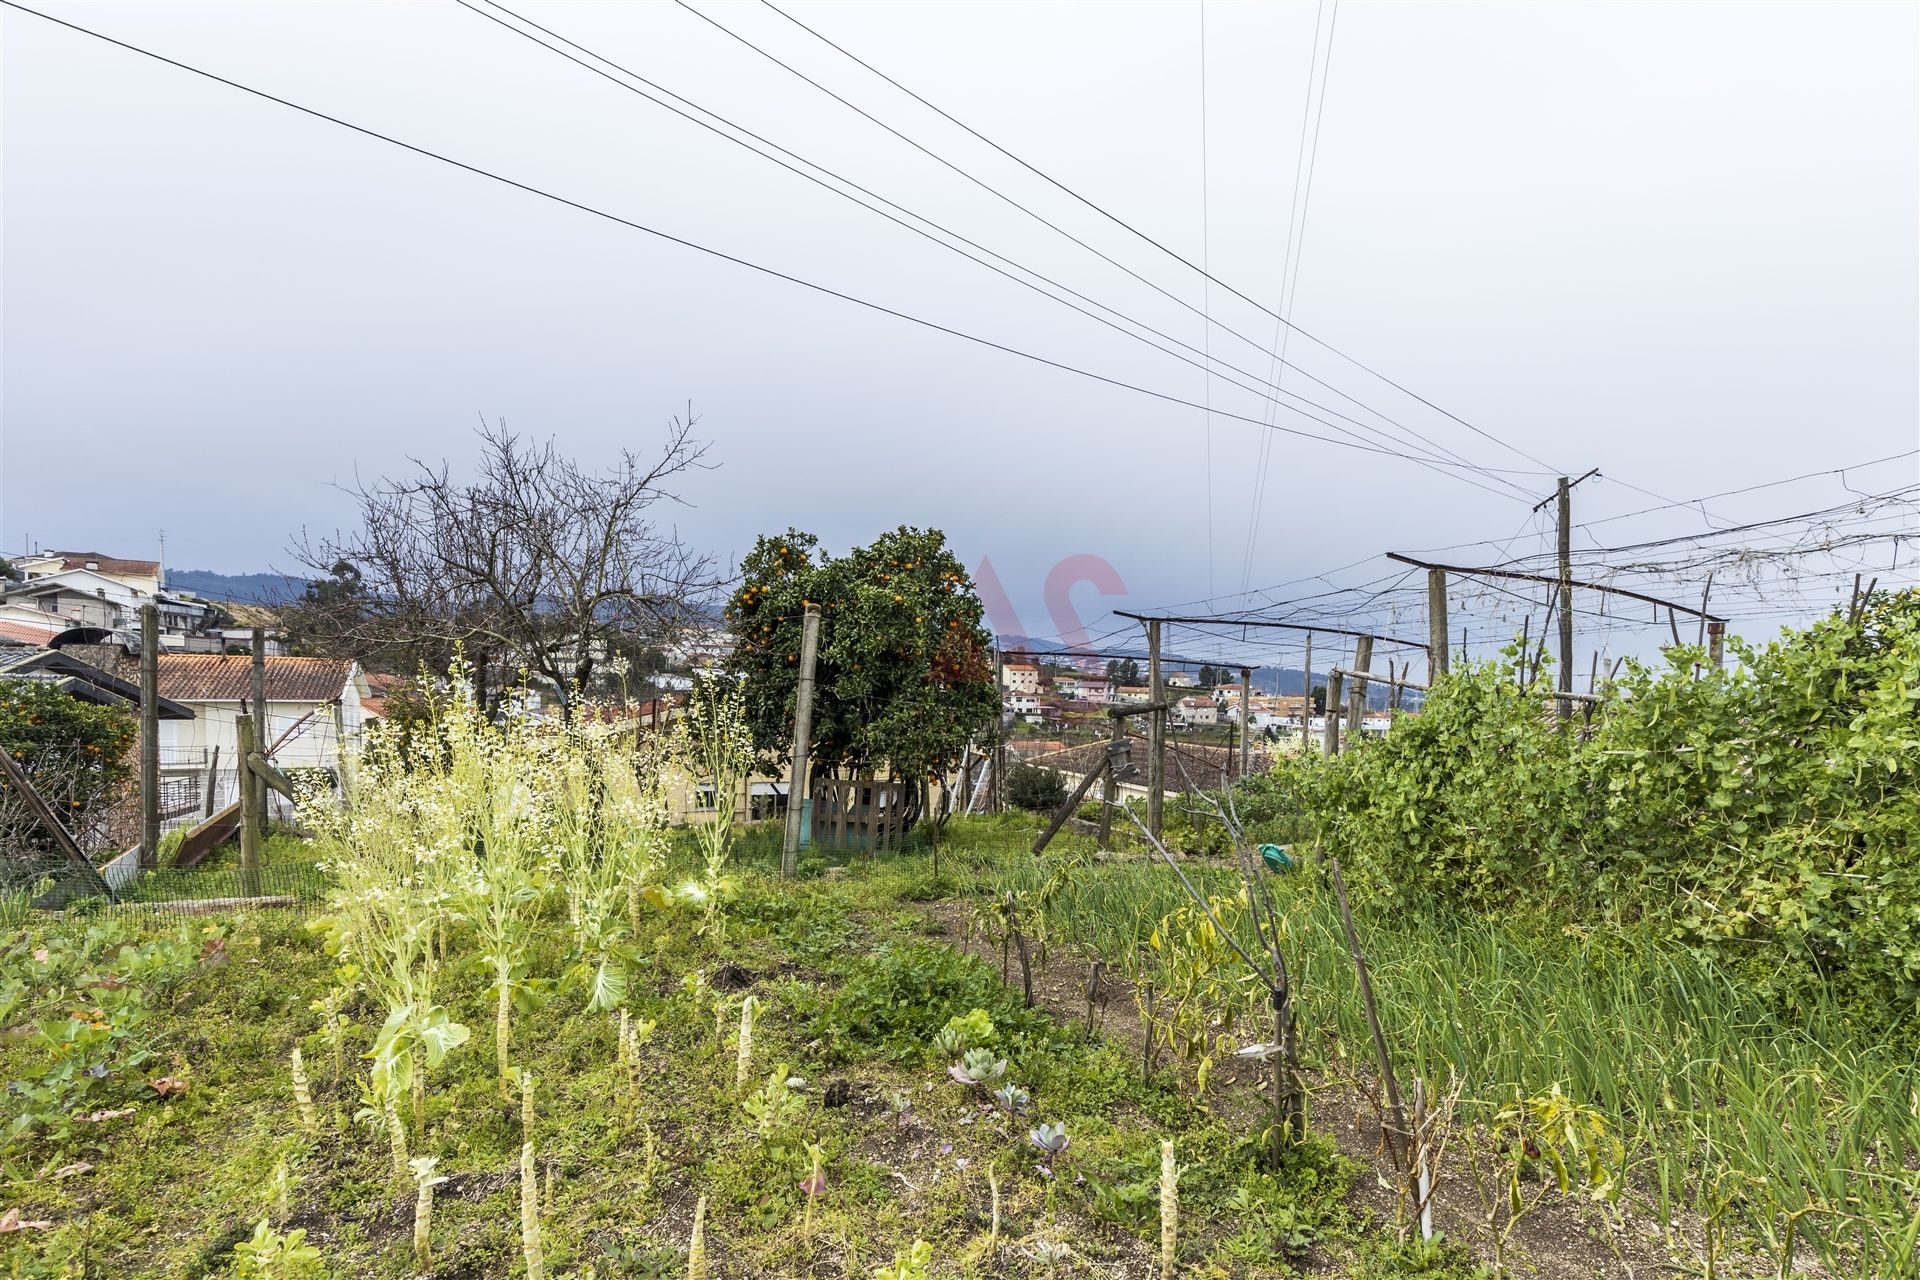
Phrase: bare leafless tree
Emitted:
{"points": [[537, 563]]}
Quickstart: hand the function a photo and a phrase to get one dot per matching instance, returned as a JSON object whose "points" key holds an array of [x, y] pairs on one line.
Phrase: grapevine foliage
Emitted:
{"points": [[1769, 813]]}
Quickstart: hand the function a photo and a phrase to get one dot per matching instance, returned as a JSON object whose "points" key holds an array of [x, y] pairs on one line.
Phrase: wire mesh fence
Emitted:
{"points": [[184, 891]]}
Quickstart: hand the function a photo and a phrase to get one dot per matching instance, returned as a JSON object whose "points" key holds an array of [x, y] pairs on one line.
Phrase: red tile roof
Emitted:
{"points": [[209, 677], [108, 564], [27, 632]]}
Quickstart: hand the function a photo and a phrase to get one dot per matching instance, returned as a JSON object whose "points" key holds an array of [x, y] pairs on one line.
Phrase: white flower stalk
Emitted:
{"points": [[530, 1216], [396, 1133], [743, 1064], [1169, 1209], [993, 1225], [303, 1094], [425, 1180], [526, 1106], [697, 1244], [503, 1033]]}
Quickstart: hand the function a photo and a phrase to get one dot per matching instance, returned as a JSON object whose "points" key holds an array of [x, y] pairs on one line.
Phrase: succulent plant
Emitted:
{"points": [[1050, 1138], [1012, 1099], [979, 1066]]}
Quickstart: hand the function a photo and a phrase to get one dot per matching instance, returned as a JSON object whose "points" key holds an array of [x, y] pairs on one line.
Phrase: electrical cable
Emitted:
{"points": [[722, 255]]}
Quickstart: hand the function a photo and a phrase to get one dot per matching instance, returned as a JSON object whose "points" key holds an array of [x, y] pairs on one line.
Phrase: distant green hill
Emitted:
{"points": [[250, 588]]}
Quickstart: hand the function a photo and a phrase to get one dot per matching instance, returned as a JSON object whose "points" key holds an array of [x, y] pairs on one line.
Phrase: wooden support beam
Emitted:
{"points": [[1065, 811], [1546, 580], [1421, 688], [1268, 622], [16, 777], [1436, 624], [271, 777]]}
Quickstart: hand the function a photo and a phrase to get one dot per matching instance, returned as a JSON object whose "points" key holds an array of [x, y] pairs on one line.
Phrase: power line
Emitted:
{"points": [[1206, 290], [1290, 280], [669, 237], [1060, 230], [1266, 390], [1130, 228]]}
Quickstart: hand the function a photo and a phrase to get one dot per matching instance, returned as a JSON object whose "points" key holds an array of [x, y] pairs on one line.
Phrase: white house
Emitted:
{"points": [[1022, 677], [84, 597], [314, 705], [1195, 713], [142, 577], [1180, 680], [1025, 705]]}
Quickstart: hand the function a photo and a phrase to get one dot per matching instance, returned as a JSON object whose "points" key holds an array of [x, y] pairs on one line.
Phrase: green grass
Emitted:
{"points": [[1811, 1128], [850, 989]]}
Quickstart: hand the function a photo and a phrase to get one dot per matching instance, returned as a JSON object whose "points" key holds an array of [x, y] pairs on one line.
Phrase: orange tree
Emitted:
{"points": [[79, 756], [902, 680]]}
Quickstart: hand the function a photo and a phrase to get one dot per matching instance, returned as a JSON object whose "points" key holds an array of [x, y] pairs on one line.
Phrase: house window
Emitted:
{"points": [[703, 799]]}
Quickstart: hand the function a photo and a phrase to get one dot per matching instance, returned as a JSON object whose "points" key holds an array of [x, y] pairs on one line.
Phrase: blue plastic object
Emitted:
{"points": [[1276, 858]]}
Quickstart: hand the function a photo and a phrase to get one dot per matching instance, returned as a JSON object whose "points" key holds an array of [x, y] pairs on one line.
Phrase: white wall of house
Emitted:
{"points": [[186, 746]]}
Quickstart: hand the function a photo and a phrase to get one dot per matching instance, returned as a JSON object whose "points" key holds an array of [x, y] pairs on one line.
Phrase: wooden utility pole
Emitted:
{"points": [[1246, 720], [1436, 624], [249, 807], [1357, 699], [1717, 643], [1156, 733], [802, 740], [262, 728], [1564, 538], [149, 737]]}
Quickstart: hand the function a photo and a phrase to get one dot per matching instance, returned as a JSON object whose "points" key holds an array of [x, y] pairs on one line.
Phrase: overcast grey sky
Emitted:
{"points": [[1676, 242]]}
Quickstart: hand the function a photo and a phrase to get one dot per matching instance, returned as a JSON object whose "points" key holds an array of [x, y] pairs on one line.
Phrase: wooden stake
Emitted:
{"points": [[1306, 690], [249, 809], [149, 737], [213, 776], [1110, 793], [1357, 699], [1156, 733], [1398, 1129], [1717, 643], [262, 729], [1564, 506], [1246, 720], [802, 740], [1437, 624], [1330, 734]]}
